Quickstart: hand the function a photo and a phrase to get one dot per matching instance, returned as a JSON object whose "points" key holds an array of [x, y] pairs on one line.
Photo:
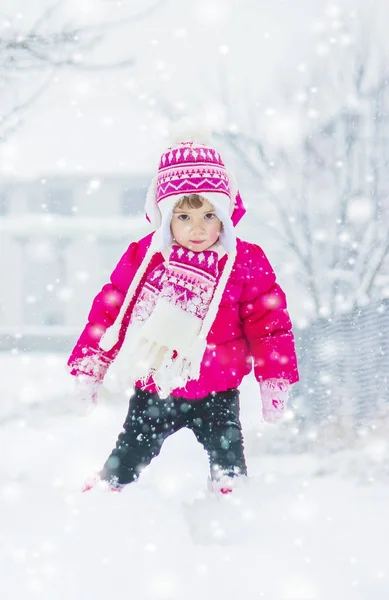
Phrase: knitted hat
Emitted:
{"points": [[189, 167]]}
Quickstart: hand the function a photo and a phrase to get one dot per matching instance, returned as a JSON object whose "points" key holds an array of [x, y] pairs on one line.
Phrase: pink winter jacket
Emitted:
{"points": [[252, 326]]}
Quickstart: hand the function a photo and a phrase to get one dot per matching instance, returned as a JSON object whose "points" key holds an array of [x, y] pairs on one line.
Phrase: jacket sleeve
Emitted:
{"points": [[87, 357], [266, 322]]}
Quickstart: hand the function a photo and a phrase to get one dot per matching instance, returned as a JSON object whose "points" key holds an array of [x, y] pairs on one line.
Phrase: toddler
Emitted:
{"points": [[189, 311]]}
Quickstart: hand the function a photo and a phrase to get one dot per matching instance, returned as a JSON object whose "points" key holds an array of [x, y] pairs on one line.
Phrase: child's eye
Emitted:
{"points": [[183, 217], [209, 216]]}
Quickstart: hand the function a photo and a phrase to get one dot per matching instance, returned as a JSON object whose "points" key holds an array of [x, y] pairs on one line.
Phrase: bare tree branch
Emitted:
{"points": [[46, 47], [139, 16], [46, 15], [376, 262], [11, 121]]}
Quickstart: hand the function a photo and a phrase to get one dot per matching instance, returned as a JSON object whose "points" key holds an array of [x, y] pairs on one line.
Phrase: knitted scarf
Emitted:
{"points": [[164, 339]]}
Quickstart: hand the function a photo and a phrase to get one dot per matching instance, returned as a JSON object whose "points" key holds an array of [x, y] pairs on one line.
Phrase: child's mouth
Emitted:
{"points": [[197, 241]]}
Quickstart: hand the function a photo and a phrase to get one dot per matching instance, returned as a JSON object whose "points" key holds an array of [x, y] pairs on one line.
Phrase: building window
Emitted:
{"points": [[56, 200], [60, 201], [42, 282], [37, 199]]}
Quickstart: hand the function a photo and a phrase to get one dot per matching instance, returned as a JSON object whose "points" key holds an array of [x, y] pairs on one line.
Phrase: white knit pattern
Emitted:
{"points": [[111, 336]]}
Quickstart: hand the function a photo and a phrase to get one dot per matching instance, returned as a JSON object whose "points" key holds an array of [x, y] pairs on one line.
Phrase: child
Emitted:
{"points": [[189, 310]]}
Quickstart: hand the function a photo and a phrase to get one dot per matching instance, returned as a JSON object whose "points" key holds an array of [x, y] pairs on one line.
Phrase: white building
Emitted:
{"points": [[60, 238]]}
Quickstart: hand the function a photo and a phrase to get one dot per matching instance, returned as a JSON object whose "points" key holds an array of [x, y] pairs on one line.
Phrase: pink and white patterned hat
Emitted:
{"points": [[193, 168]]}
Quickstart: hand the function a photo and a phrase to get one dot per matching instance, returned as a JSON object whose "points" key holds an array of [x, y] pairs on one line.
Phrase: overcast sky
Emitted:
{"points": [[106, 122]]}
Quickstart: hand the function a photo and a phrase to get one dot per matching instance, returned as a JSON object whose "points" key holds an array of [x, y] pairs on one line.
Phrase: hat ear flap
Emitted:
{"points": [[227, 234], [153, 214], [165, 210], [233, 189]]}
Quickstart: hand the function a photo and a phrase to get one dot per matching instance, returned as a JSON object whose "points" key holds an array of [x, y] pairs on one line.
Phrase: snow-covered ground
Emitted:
{"points": [[297, 530]]}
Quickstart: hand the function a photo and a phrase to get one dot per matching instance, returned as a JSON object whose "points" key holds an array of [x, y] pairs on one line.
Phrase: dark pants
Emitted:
{"points": [[150, 421]]}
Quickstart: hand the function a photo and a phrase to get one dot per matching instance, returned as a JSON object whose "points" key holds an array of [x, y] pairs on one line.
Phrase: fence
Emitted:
{"points": [[344, 366]]}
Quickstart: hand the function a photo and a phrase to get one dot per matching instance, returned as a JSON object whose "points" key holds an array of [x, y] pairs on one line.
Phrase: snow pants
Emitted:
{"points": [[150, 421]]}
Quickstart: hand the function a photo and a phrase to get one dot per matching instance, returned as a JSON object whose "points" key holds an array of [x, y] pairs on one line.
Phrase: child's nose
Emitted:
{"points": [[198, 226]]}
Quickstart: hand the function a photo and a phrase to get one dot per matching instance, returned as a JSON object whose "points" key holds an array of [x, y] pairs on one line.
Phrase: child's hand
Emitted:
{"points": [[86, 390], [275, 394]]}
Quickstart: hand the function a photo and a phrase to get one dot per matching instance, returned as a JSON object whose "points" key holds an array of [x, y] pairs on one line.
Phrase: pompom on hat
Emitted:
{"points": [[190, 166]]}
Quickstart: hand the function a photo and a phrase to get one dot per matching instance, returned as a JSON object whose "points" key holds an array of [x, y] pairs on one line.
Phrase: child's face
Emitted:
{"points": [[196, 228]]}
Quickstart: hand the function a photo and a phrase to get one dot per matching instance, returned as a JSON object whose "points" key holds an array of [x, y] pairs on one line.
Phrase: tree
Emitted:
{"points": [[322, 165], [30, 57]]}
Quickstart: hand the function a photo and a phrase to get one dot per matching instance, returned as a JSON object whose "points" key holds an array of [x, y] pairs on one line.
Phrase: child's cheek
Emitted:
{"points": [[215, 232]]}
